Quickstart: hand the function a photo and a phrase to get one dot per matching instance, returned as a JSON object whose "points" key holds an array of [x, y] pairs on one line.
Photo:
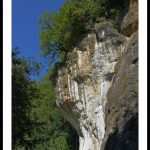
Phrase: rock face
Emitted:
{"points": [[100, 83], [130, 21], [121, 111]]}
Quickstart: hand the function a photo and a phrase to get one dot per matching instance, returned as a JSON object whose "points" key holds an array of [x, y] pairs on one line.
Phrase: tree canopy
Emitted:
{"points": [[23, 92], [36, 121], [60, 31]]}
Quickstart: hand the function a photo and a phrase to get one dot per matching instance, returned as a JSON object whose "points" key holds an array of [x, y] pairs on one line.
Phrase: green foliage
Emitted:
{"points": [[60, 32], [23, 92], [36, 121], [53, 132], [54, 31]]}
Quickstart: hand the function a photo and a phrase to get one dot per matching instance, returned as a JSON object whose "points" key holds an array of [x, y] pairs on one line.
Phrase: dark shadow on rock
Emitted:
{"points": [[127, 139]]}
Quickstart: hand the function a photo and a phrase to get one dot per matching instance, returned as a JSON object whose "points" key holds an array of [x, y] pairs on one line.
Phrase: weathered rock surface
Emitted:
{"points": [[130, 21], [121, 110], [100, 81]]}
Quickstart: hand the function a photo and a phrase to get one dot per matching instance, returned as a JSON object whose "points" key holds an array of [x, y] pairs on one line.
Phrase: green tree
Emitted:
{"points": [[23, 92], [53, 132], [36, 121], [60, 32]]}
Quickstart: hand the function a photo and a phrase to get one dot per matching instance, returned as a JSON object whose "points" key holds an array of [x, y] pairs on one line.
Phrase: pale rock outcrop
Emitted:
{"points": [[86, 79], [100, 81]]}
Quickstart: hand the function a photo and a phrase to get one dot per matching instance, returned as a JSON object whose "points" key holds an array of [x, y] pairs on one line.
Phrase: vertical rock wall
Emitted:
{"points": [[100, 82], [86, 79]]}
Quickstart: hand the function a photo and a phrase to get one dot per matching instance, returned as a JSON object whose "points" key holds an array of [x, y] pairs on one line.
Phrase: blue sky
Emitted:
{"points": [[25, 14]]}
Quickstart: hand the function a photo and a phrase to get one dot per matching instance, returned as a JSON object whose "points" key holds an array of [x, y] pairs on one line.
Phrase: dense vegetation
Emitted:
{"points": [[54, 132], [23, 92], [36, 122], [60, 32]]}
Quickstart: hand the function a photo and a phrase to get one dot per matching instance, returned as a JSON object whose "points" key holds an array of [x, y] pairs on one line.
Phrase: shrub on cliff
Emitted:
{"points": [[60, 32]]}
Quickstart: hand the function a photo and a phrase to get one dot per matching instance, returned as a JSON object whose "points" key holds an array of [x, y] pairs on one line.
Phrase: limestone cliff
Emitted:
{"points": [[100, 80]]}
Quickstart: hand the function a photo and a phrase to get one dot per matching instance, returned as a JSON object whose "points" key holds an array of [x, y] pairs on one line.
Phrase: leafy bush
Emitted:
{"points": [[60, 32]]}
